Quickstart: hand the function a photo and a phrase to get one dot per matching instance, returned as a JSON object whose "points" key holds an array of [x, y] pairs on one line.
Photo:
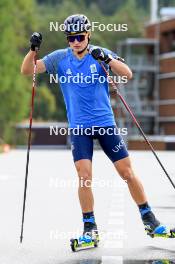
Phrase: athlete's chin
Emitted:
{"points": [[77, 49]]}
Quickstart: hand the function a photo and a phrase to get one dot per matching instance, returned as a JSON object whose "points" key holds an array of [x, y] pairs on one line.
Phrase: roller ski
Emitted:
{"points": [[154, 228], [164, 261], [89, 239]]}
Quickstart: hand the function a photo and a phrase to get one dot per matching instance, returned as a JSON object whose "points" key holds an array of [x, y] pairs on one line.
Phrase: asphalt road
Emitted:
{"points": [[53, 213]]}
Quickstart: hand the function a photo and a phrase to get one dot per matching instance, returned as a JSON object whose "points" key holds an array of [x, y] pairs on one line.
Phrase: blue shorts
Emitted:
{"points": [[109, 138]]}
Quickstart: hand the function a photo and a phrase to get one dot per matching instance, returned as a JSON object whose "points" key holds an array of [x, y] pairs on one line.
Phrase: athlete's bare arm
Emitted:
{"points": [[120, 68], [117, 66], [28, 63]]}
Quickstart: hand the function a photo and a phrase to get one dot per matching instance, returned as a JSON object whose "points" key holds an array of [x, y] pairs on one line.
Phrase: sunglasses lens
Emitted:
{"points": [[71, 38], [79, 38]]}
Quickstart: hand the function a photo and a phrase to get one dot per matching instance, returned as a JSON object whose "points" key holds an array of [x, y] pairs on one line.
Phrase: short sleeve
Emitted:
{"points": [[51, 60]]}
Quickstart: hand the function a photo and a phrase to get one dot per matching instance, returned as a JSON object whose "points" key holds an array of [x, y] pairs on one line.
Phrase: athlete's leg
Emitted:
{"points": [[135, 186], [115, 149], [125, 170], [82, 150], [84, 171]]}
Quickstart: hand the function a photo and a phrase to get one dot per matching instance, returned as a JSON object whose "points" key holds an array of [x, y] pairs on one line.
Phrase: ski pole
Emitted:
{"points": [[137, 124], [29, 145]]}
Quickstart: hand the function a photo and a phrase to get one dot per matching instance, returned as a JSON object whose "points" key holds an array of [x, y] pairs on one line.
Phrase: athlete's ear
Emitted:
{"points": [[89, 36], [68, 41]]}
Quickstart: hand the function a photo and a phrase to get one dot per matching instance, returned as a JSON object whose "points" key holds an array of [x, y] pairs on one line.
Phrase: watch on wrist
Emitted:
{"points": [[109, 58], [121, 59]]}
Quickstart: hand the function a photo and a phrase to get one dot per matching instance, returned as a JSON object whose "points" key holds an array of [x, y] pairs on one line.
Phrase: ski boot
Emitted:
{"points": [[153, 227], [89, 239]]}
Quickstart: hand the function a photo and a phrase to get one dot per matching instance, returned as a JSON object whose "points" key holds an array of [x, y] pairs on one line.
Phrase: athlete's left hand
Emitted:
{"points": [[99, 54]]}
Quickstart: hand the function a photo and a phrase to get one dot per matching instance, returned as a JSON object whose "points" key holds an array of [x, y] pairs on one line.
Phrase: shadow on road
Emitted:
{"points": [[92, 261], [165, 207], [160, 261]]}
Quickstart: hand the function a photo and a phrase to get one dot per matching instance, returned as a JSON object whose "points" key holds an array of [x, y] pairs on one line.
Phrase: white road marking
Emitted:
{"points": [[118, 200], [116, 214], [115, 221], [115, 225], [116, 207], [112, 260], [113, 244], [118, 195], [117, 234]]}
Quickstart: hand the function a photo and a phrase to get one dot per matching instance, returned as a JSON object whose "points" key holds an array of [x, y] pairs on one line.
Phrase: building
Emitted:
{"points": [[151, 93]]}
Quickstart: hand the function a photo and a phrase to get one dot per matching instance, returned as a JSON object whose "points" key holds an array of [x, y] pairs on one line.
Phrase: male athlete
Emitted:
{"points": [[88, 106]]}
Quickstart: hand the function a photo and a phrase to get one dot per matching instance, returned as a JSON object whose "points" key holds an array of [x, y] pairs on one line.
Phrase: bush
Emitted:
{"points": [[44, 104]]}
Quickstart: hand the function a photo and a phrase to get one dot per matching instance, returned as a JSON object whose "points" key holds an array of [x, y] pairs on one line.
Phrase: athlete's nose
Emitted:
{"points": [[76, 41]]}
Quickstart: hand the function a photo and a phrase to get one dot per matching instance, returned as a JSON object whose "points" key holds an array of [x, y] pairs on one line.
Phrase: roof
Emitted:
{"points": [[42, 124], [139, 41]]}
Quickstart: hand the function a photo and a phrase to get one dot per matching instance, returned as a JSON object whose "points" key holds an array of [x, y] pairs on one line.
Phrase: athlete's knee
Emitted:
{"points": [[127, 174], [85, 177]]}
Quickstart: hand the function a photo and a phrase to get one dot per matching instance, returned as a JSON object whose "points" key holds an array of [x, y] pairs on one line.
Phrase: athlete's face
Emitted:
{"points": [[78, 42]]}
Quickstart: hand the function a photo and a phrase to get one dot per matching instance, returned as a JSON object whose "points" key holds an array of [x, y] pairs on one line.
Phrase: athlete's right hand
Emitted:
{"points": [[35, 41]]}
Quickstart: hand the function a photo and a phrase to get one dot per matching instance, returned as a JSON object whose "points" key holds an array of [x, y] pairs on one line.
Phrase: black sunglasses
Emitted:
{"points": [[79, 38]]}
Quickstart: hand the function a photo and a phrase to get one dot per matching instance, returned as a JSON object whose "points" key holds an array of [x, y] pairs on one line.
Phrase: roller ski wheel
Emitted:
{"points": [[74, 244], [172, 232], [89, 239], [84, 242]]}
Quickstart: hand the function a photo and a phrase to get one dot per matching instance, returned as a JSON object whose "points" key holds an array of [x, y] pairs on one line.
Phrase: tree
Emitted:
{"points": [[20, 18], [45, 105], [16, 16]]}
